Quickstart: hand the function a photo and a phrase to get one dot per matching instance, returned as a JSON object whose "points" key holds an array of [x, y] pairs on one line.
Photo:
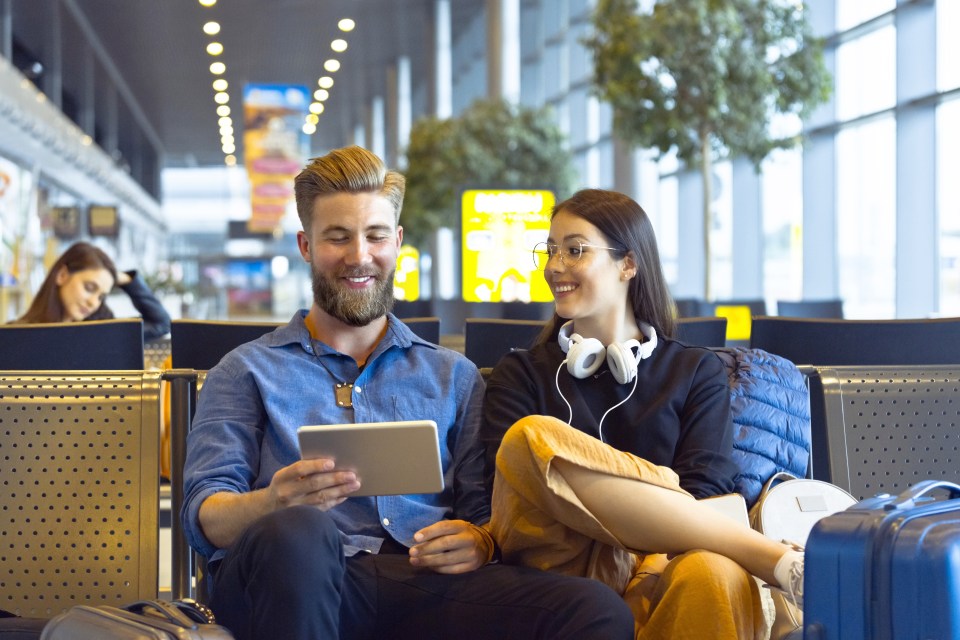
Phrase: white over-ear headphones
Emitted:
{"points": [[585, 355]]}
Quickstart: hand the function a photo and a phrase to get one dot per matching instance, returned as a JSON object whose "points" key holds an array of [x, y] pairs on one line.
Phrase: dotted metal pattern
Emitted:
{"points": [[79, 489], [900, 425]]}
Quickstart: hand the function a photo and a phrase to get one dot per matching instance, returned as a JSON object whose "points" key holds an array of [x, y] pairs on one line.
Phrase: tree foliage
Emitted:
{"points": [[704, 78], [491, 144], [715, 71]]}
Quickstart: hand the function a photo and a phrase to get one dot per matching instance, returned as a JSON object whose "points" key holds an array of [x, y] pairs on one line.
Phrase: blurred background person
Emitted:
{"points": [[77, 285]]}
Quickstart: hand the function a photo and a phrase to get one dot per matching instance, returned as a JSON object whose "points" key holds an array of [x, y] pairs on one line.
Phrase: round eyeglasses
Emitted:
{"points": [[569, 252]]}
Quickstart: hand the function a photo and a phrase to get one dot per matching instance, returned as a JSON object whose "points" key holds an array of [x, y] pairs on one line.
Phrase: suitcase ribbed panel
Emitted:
{"points": [[79, 489], [891, 427]]}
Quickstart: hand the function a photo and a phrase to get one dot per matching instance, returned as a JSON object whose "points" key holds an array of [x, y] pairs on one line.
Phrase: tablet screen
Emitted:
{"points": [[390, 458]]}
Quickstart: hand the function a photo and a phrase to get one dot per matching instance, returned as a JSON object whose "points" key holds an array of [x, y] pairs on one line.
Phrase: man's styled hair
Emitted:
{"points": [[347, 170]]}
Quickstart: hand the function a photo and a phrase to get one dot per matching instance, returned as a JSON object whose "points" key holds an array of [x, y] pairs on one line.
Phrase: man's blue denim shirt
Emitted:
{"points": [[255, 399]]}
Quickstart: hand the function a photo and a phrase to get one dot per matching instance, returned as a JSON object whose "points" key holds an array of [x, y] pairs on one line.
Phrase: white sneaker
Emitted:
{"points": [[789, 573]]}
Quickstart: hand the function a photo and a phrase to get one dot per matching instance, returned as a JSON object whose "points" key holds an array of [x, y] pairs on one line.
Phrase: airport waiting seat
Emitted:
{"points": [[97, 345], [810, 308], [703, 332], [427, 328], [80, 502], [880, 429], [486, 340], [809, 341], [687, 307]]}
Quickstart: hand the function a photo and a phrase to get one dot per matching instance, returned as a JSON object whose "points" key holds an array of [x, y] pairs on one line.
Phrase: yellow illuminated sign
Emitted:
{"points": [[500, 228], [406, 282], [738, 320]]}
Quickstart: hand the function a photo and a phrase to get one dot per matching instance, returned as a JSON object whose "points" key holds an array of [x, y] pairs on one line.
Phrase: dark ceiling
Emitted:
{"points": [[159, 49]]}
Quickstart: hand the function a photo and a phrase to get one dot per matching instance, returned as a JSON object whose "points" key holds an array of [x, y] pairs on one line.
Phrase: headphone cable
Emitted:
{"points": [[604, 416]]}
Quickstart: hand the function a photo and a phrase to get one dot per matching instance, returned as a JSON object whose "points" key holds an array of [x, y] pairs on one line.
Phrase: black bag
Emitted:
{"points": [[144, 620]]}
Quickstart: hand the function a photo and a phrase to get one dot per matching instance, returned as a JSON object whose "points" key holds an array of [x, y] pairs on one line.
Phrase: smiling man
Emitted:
{"points": [[292, 554]]}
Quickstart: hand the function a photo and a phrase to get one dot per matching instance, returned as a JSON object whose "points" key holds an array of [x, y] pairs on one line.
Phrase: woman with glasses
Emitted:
{"points": [[602, 437]]}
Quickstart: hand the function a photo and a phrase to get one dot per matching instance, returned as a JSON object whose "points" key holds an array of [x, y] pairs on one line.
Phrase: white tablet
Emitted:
{"points": [[390, 458]]}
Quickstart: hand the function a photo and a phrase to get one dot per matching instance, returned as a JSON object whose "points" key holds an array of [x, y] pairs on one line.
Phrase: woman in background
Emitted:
{"points": [[604, 436], [77, 285]]}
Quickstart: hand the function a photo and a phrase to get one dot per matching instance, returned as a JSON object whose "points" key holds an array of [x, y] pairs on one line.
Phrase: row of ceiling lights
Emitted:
{"points": [[222, 98]]}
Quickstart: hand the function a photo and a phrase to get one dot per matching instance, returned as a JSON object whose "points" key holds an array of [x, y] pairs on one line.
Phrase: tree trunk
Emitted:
{"points": [[705, 165]]}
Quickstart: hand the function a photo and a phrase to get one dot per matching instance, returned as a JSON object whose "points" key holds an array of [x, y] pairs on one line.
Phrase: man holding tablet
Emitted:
{"points": [[291, 554]]}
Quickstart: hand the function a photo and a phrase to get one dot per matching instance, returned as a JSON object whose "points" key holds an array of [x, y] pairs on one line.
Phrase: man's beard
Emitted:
{"points": [[354, 307]]}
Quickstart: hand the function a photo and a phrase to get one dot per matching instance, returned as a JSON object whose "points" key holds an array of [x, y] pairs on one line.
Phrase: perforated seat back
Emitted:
{"points": [[883, 429], [79, 489]]}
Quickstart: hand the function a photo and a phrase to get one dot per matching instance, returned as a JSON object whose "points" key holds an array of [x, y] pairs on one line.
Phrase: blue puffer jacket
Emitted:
{"points": [[770, 405]]}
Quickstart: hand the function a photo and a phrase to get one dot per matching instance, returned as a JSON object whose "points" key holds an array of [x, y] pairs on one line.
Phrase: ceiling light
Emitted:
{"points": [[220, 84], [226, 130], [228, 148], [211, 28], [221, 97], [331, 65], [227, 139], [346, 24], [309, 129], [224, 121], [325, 82], [230, 160], [339, 45], [313, 118], [218, 68], [316, 107], [214, 48], [208, 3], [223, 110], [320, 95]]}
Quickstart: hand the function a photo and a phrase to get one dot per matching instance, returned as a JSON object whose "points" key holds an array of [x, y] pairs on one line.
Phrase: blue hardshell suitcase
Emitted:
{"points": [[887, 568]]}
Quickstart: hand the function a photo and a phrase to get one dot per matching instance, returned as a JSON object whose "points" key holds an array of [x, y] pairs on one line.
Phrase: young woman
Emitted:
{"points": [[79, 281], [602, 438]]}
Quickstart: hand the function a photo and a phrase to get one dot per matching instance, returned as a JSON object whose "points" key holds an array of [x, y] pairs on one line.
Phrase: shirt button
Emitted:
{"points": [[386, 522], [358, 389]]}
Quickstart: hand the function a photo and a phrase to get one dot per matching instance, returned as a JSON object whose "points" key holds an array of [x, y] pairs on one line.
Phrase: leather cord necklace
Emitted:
{"points": [[342, 390]]}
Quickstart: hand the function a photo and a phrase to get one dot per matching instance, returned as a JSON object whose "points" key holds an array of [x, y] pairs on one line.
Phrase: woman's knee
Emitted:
{"points": [[517, 441]]}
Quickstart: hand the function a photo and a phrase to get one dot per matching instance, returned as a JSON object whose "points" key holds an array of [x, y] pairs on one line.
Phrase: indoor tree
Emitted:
{"points": [[492, 143], [704, 78]]}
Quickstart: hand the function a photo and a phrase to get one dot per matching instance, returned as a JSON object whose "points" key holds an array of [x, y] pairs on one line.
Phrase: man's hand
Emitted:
{"points": [[312, 482], [451, 546]]}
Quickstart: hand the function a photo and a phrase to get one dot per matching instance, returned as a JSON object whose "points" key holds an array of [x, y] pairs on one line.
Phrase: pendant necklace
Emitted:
{"points": [[342, 390]]}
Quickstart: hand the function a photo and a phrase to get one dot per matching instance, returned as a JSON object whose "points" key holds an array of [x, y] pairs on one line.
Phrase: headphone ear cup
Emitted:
{"points": [[622, 359], [584, 357]]}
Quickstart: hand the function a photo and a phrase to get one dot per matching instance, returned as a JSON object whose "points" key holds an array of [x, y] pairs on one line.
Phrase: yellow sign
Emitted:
{"points": [[406, 282], [500, 228], [738, 320]]}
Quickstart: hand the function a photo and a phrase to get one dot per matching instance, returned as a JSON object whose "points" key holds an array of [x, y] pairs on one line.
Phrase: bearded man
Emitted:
{"points": [[291, 554]]}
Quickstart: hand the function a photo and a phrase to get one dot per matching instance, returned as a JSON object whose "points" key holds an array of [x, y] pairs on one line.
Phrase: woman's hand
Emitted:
{"points": [[123, 278], [451, 546]]}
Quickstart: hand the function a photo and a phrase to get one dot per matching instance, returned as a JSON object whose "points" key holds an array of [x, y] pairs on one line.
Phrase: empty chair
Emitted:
{"points": [[486, 340], [880, 429], [757, 306], [687, 307], [703, 332], [80, 507], [199, 344], [95, 345], [426, 328], [819, 342], [810, 308]]}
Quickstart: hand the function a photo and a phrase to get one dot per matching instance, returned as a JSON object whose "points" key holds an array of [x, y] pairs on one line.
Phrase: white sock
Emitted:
{"points": [[782, 571]]}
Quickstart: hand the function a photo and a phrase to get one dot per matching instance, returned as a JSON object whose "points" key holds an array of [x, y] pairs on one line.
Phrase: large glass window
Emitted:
{"points": [[666, 226], [948, 45], [866, 74], [782, 202], [948, 163], [721, 232], [850, 13], [866, 218]]}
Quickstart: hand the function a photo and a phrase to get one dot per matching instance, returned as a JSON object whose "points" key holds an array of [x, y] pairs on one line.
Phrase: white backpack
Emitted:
{"points": [[786, 511]]}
